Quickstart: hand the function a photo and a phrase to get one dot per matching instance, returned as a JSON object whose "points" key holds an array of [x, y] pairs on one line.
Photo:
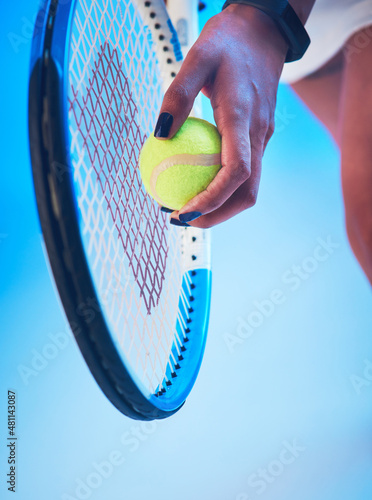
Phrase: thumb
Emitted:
{"points": [[180, 96]]}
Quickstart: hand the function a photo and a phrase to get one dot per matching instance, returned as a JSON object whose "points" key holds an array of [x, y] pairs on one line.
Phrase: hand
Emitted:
{"points": [[236, 62]]}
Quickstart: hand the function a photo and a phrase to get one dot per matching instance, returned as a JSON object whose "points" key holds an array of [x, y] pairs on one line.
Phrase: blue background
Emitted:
{"points": [[291, 383]]}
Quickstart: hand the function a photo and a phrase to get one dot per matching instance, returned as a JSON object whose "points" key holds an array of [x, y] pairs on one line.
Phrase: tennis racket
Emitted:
{"points": [[136, 291]]}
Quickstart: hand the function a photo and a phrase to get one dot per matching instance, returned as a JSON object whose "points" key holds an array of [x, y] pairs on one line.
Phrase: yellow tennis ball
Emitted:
{"points": [[175, 170]]}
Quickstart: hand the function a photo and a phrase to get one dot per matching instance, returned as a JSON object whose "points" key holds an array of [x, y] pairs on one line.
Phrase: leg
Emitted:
{"points": [[321, 91], [340, 95], [356, 152]]}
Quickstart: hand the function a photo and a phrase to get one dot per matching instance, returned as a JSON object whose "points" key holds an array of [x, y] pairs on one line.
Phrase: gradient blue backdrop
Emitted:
{"points": [[301, 379]]}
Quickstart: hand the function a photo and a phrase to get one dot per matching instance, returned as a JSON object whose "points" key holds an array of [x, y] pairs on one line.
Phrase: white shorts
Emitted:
{"points": [[330, 24]]}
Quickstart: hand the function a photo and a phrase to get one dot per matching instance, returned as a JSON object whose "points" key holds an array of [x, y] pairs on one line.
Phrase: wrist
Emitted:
{"points": [[287, 21], [258, 22]]}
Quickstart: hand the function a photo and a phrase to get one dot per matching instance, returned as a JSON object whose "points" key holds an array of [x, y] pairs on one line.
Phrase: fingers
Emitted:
{"points": [[179, 98], [245, 128], [243, 104], [235, 112], [236, 169], [244, 197]]}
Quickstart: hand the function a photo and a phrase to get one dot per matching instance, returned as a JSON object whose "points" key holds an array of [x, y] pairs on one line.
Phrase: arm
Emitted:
{"points": [[236, 62]]}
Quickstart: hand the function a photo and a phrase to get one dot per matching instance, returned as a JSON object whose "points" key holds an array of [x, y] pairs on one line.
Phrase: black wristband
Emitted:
{"points": [[288, 23]]}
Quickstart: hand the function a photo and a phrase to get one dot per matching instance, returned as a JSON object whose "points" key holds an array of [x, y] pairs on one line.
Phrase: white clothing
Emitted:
{"points": [[330, 24]]}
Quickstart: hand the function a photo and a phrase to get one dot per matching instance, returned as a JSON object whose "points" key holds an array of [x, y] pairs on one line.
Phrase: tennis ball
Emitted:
{"points": [[175, 170]]}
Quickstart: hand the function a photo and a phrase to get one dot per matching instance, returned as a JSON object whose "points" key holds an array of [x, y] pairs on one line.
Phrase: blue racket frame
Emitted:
{"points": [[58, 211]]}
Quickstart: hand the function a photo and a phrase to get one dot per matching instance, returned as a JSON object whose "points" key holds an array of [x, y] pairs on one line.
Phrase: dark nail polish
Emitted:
{"points": [[189, 216], [166, 210], [176, 222], [163, 125]]}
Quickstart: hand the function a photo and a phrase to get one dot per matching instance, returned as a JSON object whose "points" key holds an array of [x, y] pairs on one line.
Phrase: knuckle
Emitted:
{"points": [[238, 113], [241, 171], [250, 199], [198, 54], [202, 58], [213, 203], [261, 129], [208, 200]]}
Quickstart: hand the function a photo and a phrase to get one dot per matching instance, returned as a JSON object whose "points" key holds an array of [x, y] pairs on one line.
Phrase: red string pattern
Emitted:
{"points": [[105, 117]]}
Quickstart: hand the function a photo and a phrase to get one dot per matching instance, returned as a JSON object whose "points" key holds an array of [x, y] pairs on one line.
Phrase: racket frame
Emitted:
{"points": [[56, 203]]}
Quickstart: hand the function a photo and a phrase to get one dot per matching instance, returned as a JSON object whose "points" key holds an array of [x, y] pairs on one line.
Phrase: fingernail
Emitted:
{"points": [[163, 125], [189, 216], [166, 210], [176, 222]]}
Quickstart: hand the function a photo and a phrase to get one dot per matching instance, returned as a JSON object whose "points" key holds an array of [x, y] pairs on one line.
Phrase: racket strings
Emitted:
{"points": [[113, 139], [135, 258]]}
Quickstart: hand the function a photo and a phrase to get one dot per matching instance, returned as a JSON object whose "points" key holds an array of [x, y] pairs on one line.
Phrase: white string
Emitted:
{"points": [[144, 334]]}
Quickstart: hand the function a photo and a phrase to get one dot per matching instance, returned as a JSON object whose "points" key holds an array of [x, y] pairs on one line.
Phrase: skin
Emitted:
{"points": [[339, 95], [242, 49], [321, 91]]}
